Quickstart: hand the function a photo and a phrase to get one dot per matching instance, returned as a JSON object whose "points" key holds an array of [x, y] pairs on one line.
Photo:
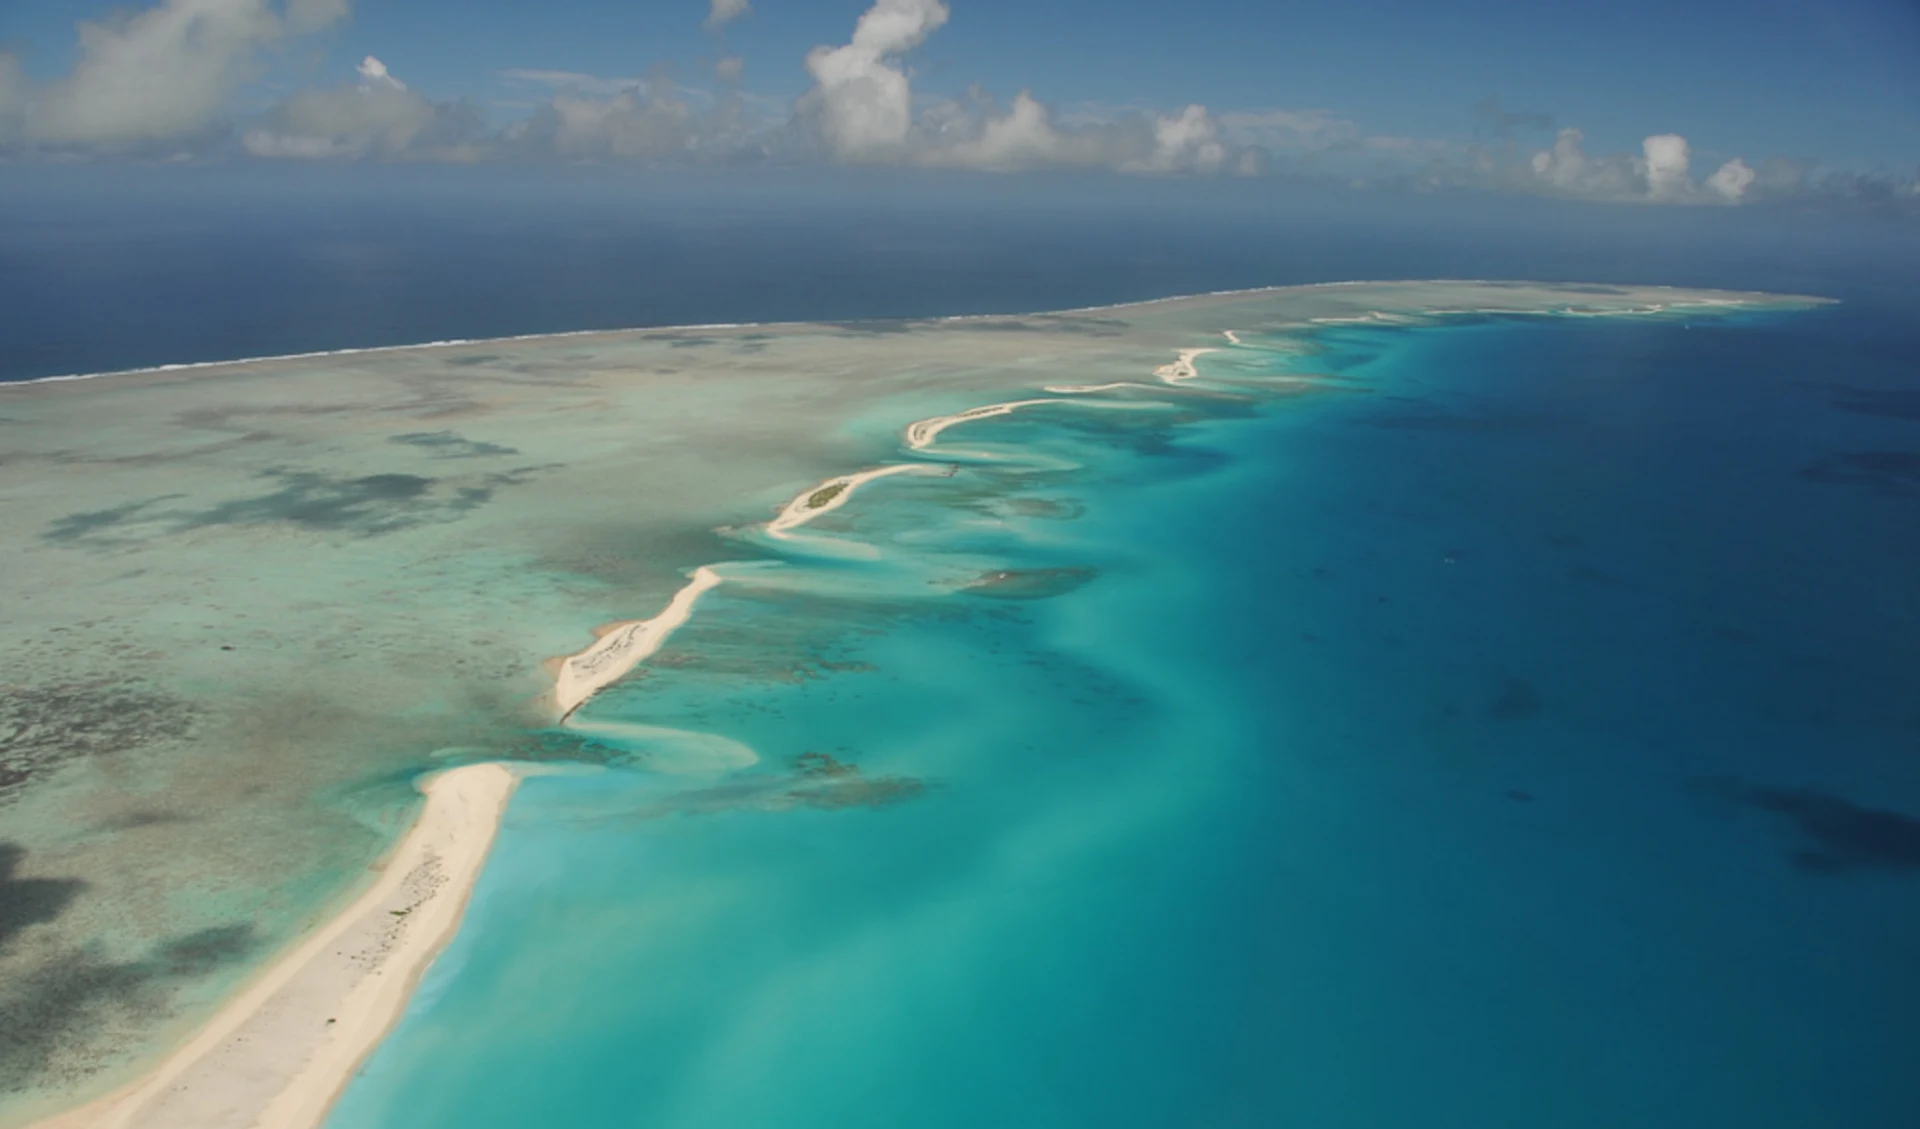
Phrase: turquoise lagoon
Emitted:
{"points": [[1434, 714], [1496, 729]]}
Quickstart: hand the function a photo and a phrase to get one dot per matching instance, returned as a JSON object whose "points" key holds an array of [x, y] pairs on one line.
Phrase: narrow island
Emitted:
{"points": [[281, 1051], [286, 1044]]}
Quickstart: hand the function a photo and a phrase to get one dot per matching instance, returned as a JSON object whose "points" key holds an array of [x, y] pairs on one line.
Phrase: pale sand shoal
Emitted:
{"points": [[1182, 368], [1078, 389], [921, 434], [624, 645], [802, 509], [279, 1053]]}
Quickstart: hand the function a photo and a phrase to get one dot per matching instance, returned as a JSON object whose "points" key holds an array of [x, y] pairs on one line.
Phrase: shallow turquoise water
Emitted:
{"points": [[1516, 731]]}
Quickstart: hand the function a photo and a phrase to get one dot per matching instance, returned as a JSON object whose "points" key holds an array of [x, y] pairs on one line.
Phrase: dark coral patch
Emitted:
{"points": [[90, 523], [44, 726], [1893, 472], [1516, 701], [374, 503], [1028, 583], [1837, 834], [54, 1010], [1887, 403], [825, 782], [316, 501], [29, 901], [451, 445]]}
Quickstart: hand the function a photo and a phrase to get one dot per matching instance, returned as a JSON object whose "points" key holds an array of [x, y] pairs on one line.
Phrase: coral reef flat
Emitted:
{"points": [[250, 603]]}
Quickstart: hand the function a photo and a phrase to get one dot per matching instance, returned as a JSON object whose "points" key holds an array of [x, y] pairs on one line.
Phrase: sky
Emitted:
{"points": [[1655, 101]]}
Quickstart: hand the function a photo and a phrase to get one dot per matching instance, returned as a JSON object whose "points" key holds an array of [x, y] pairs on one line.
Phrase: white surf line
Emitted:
{"points": [[1760, 298], [625, 645], [836, 492], [363, 350]]}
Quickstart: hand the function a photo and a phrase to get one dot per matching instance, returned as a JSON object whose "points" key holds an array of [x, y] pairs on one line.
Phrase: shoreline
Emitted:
{"points": [[835, 492], [279, 1053], [266, 1057], [624, 645], [1182, 370], [1750, 298]]}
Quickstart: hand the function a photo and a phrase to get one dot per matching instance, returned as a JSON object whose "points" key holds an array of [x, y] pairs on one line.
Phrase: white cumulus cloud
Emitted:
{"points": [[1660, 173], [625, 125], [1564, 165], [163, 77], [1189, 141], [1731, 181], [165, 71], [313, 15], [656, 122], [977, 134], [374, 73], [861, 102], [861, 108], [1665, 157], [13, 95], [574, 82], [723, 12], [1023, 137], [378, 117], [1285, 130]]}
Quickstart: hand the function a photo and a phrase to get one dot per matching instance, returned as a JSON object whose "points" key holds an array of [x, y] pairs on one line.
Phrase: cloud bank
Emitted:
{"points": [[1661, 173], [165, 72], [861, 108], [378, 117], [724, 12], [162, 81]]}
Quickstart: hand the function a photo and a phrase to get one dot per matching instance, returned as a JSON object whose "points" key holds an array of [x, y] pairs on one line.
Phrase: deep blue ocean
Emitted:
{"points": [[1521, 730]]}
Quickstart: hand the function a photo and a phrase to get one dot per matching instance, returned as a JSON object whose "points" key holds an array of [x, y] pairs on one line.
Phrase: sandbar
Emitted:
{"points": [[624, 645], [835, 492], [921, 434], [1181, 369], [544, 425], [278, 1054]]}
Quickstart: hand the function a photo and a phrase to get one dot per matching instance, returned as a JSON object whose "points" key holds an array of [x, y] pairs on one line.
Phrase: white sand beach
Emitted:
{"points": [[279, 1053], [281, 1049], [1081, 389], [1182, 368], [834, 493], [622, 646], [922, 433]]}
